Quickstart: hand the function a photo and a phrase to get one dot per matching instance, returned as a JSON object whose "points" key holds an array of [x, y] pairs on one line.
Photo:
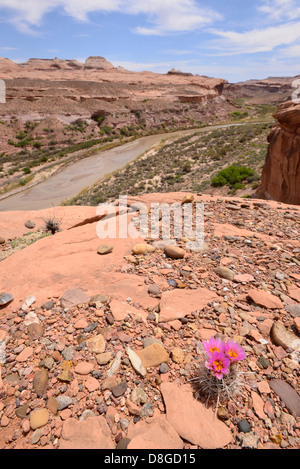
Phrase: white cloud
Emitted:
{"points": [[7, 48], [172, 15], [165, 16], [290, 52], [280, 10], [257, 40]]}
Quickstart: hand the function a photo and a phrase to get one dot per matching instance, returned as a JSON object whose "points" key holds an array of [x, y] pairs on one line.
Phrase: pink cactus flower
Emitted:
{"points": [[213, 345], [234, 351], [219, 364]]}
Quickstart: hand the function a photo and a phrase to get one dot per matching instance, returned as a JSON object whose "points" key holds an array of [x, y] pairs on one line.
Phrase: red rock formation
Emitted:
{"points": [[68, 90], [281, 173], [272, 90]]}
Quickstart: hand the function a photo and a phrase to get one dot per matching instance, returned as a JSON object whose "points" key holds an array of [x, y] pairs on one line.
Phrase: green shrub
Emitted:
{"points": [[239, 115], [231, 176], [24, 142]]}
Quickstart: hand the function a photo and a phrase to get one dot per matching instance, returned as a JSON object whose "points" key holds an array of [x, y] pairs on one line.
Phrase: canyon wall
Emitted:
{"points": [[281, 173], [70, 90]]}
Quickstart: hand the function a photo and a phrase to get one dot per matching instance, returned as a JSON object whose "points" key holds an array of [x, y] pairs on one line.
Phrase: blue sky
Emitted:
{"points": [[233, 39]]}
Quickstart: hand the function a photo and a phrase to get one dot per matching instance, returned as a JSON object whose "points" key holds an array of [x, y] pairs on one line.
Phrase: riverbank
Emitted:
{"points": [[188, 163], [68, 180]]}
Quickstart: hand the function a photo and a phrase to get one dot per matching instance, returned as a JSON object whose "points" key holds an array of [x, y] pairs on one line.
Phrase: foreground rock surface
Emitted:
{"points": [[192, 420], [113, 367], [92, 433]]}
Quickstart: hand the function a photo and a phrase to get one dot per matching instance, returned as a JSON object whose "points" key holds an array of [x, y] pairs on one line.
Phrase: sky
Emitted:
{"points": [[234, 39]]}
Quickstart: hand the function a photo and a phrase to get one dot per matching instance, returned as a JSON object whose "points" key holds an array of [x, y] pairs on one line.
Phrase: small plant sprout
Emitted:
{"points": [[219, 378]]}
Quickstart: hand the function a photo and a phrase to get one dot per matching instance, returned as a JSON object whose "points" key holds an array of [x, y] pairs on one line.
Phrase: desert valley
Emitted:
{"points": [[103, 341]]}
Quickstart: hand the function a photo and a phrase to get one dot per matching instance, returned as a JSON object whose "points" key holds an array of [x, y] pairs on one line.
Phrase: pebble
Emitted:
{"points": [[105, 249], [154, 290], [35, 331], [30, 224], [136, 362], [73, 297], [244, 426], [119, 389], [52, 405], [48, 305], [96, 344], [5, 299], [40, 382], [84, 368], [143, 249], [224, 272], [114, 368], [104, 358], [174, 252], [91, 384], [288, 395], [38, 418], [153, 355], [21, 412], [147, 410], [30, 300], [63, 402], [163, 368], [280, 335], [250, 440], [25, 354], [35, 437], [69, 352]]}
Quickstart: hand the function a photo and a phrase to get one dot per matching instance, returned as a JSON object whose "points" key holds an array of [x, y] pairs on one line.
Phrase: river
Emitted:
{"points": [[73, 178]]}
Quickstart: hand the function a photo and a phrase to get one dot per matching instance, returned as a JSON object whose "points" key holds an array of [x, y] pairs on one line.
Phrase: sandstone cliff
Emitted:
{"points": [[281, 173], [68, 90], [270, 91]]}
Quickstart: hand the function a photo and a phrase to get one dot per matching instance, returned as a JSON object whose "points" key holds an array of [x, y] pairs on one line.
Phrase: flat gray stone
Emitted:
{"points": [[63, 402], [288, 396], [119, 389], [5, 298], [48, 305], [30, 224], [294, 310]]}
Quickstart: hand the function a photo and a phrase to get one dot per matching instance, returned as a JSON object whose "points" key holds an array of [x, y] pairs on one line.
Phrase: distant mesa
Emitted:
{"points": [[97, 63], [173, 71], [91, 63]]}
